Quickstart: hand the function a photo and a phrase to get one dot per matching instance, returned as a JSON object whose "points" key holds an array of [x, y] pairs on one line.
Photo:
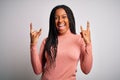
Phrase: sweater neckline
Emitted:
{"points": [[66, 34]]}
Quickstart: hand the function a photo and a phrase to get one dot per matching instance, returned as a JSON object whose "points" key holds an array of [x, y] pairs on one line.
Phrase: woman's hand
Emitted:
{"points": [[34, 35], [86, 34]]}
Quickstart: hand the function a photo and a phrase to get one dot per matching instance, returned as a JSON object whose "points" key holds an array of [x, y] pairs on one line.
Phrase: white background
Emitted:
{"points": [[16, 15]]}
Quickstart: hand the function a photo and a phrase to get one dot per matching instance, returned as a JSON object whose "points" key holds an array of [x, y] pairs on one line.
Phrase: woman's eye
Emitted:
{"points": [[64, 17], [56, 18]]}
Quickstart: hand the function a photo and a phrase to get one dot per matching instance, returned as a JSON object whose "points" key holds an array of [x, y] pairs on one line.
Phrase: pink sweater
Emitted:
{"points": [[70, 46]]}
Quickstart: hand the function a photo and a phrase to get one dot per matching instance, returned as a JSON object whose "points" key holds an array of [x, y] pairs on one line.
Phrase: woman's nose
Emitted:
{"points": [[60, 19]]}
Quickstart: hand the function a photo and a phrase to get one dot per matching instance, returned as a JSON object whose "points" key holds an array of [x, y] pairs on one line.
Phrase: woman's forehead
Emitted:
{"points": [[60, 11]]}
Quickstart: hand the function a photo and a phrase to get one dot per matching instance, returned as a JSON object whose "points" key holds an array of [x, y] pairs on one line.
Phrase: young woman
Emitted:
{"points": [[62, 49]]}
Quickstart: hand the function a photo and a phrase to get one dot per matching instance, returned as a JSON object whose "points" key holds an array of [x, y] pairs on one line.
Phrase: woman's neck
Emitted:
{"points": [[65, 34]]}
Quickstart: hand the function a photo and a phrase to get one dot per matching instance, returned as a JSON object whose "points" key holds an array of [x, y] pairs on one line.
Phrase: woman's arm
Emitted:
{"points": [[35, 56], [86, 58], [35, 60]]}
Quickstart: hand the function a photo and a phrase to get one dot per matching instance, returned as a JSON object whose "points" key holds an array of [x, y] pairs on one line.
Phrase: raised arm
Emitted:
{"points": [[86, 58], [35, 56]]}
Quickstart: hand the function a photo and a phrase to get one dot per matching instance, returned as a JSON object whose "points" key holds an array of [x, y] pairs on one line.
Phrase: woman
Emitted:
{"points": [[62, 49]]}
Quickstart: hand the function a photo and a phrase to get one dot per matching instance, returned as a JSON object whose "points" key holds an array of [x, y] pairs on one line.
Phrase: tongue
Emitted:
{"points": [[61, 27]]}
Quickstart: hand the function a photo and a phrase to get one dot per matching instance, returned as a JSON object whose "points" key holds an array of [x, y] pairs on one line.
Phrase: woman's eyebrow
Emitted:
{"points": [[62, 15]]}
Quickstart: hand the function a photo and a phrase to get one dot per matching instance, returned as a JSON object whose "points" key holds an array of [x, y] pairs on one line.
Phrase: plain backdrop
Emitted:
{"points": [[16, 15]]}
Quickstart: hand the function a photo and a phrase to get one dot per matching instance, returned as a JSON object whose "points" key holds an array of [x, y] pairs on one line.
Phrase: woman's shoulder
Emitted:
{"points": [[78, 36], [44, 41]]}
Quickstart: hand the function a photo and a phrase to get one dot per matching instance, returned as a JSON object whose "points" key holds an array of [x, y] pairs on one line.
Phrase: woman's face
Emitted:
{"points": [[61, 21]]}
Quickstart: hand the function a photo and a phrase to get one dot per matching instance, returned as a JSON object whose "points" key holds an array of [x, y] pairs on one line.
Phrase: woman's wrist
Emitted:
{"points": [[33, 43]]}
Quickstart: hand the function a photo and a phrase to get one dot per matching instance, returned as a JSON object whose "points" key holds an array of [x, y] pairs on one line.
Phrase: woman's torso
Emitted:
{"points": [[68, 53]]}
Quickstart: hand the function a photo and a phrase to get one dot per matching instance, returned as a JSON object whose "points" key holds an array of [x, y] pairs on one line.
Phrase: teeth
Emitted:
{"points": [[61, 25]]}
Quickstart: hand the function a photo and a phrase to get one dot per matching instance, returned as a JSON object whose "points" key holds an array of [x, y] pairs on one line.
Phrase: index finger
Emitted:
{"points": [[30, 27], [40, 30]]}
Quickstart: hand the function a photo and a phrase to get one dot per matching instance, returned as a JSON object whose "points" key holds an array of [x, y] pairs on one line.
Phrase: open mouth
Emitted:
{"points": [[61, 26]]}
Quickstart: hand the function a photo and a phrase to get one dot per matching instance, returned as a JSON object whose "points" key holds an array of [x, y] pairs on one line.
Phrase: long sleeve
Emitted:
{"points": [[86, 58], [36, 58]]}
